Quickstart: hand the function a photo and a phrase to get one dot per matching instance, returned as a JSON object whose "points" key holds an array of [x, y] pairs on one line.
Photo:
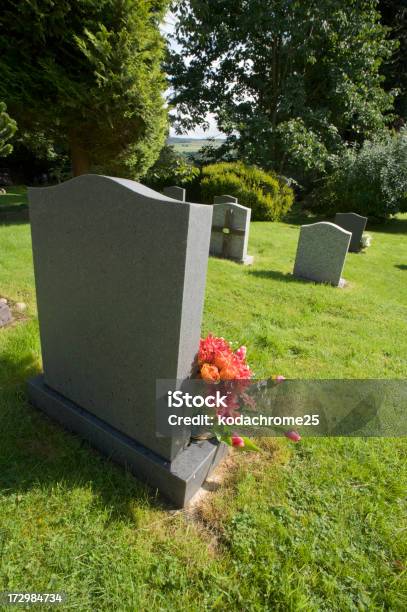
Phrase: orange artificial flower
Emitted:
{"points": [[228, 373], [222, 360], [210, 373]]}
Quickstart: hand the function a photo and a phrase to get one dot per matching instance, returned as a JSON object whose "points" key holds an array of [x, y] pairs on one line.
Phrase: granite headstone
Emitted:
{"points": [[230, 230], [321, 253], [177, 193], [120, 276], [355, 224]]}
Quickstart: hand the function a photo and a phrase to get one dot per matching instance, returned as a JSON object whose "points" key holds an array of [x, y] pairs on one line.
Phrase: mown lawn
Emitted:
{"points": [[16, 196], [314, 526]]}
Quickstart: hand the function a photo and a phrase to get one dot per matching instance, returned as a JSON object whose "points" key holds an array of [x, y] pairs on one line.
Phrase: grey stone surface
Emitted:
{"points": [[353, 223], [230, 230], [321, 253], [120, 276], [5, 314], [178, 480], [177, 193], [224, 198]]}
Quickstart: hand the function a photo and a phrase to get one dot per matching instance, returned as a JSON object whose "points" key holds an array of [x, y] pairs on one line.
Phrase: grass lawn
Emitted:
{"points": [[315, 526], [16, 196]]}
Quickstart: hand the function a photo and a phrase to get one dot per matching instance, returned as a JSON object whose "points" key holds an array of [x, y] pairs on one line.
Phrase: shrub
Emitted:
{"points": [[268, 195], [171, 168], [371, 181]]}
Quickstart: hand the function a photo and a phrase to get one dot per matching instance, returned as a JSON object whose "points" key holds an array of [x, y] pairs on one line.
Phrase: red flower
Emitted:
{"points": [[237, 441], [219, 353]]}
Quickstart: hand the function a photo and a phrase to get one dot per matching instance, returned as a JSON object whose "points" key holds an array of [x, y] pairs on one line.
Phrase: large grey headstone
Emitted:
{"points": [[5, 314], [321, 252], [230, 229], [178, 193], [120, 277], [354, 223]]}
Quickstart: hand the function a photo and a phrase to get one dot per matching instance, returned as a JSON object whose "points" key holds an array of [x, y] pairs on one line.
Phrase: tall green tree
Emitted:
{"points": [[87, 73], [288, 81], [394, 15], [7, 129]]}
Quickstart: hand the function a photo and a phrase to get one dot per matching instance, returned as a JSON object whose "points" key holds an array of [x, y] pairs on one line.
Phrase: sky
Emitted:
{"points": [[167, 29]]}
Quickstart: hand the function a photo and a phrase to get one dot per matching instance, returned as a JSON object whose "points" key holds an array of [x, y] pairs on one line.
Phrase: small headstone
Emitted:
{"points": [[321, 253], [355, 224], [5, 314], [120, 278], [2, 191], [230, 230], [20, 306], [177, 193]]}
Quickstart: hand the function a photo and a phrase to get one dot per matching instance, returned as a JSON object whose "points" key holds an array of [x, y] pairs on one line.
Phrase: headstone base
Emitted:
{"points": [[247, 261], [342, 282], [177, 480]]}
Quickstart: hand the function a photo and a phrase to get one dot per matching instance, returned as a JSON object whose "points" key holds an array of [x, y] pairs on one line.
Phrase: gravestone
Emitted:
{"points": [[177, 193], [120, 276], [355, 224], [230, 230], [321, 253], [5, 314]]}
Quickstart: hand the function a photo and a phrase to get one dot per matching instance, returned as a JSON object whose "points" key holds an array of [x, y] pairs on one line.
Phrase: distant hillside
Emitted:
{"points": [[191, 145]]}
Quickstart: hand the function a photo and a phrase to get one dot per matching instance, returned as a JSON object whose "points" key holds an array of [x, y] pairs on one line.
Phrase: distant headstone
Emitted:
{"points": [[177, 193], [5, 314], [321, 253], [355, 224], [120, 277], [2, 191], [230, 230]]}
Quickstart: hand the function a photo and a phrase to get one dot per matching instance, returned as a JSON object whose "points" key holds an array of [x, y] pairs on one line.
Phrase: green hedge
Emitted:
{"points": [[265, 193]]}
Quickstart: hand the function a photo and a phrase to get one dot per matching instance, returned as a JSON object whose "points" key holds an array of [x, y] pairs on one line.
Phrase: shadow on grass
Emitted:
{"points": [[401, 266], [14, 215], [36, 453], [300, 216], [287, 277], [391, 226]]}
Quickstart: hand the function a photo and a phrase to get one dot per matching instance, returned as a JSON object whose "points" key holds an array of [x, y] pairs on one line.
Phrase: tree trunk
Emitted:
{"points": [[79, 157]]}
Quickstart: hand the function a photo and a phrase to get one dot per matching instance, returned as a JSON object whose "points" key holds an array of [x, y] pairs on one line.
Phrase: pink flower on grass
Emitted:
{"points": [[293, 435], [241, 353], [237, 441]]}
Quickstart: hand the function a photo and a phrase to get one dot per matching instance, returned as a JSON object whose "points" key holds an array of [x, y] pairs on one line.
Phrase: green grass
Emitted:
{"points": [[314, 526], [16, 196]]}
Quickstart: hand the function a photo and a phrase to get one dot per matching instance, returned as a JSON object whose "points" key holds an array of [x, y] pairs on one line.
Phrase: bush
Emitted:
{"points": [[268, 195], [371, 181], [171, 168]]}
